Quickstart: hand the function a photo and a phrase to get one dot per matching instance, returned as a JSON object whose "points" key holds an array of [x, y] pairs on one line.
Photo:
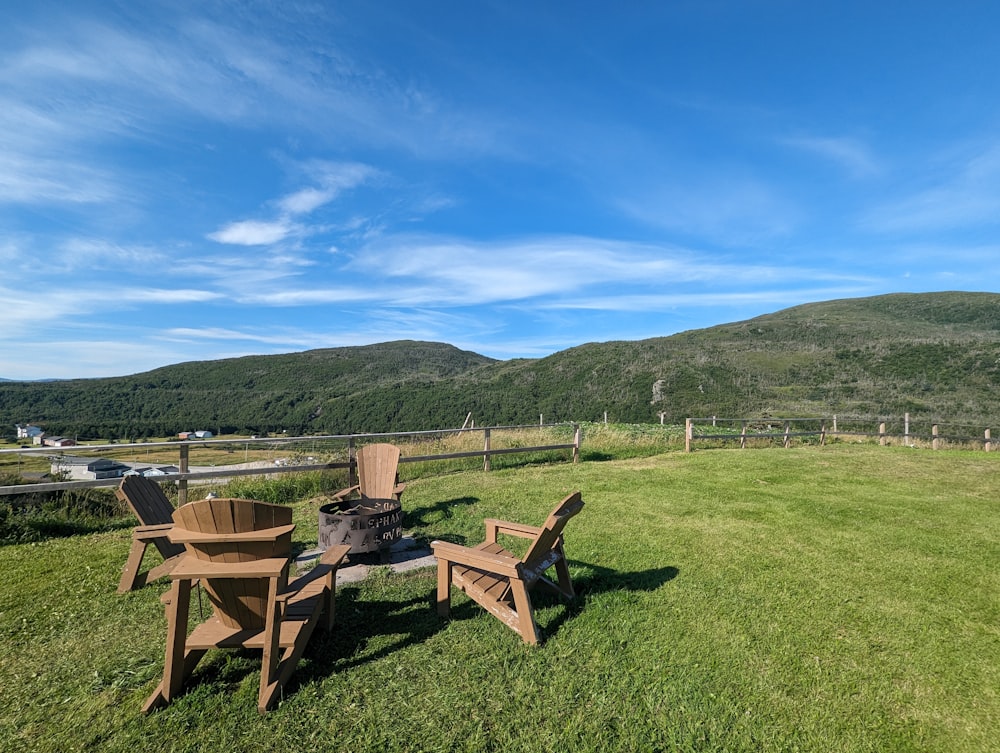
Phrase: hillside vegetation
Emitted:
{"points": [[934, 355]]}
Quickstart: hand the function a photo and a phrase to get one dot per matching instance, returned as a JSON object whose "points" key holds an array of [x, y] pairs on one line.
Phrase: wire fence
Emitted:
{"points": [[752, 432], [203, 460]]}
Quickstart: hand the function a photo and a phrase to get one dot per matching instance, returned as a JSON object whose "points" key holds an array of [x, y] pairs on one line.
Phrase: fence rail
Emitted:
{"points": [[348, 442], [825, 428]]}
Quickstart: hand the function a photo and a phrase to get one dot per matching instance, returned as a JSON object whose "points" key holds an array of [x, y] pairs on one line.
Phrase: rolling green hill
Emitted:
{"points": [[934, 355]]}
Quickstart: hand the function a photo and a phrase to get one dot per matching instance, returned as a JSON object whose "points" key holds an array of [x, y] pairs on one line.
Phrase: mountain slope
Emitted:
{"points": [[934, 355]]}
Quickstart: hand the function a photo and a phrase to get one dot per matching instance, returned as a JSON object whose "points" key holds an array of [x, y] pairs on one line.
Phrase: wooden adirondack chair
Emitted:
{"points": [[150, 505], [501, 582], [239, 550], [378, 476]]}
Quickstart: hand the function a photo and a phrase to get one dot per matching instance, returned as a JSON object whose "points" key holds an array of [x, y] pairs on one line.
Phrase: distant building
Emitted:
{"points": [[28, 431], [194, 435], [58, 441], [88, 469], [161, 470]]}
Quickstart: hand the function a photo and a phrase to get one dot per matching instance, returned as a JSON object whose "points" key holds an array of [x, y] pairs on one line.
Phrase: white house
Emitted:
{"points": [[27, 431]]}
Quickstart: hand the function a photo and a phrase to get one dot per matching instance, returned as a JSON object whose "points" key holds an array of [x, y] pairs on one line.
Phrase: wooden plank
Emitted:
{"points": [[186, 536], [194, 568]]}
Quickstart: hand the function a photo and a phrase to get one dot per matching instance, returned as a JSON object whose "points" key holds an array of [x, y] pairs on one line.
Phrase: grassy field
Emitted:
{"points": [[843, 598]]}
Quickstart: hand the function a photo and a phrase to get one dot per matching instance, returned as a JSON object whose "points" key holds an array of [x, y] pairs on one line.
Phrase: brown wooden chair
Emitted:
{"points": [[501, 582], [378, 474], [239, 550], [150, 505]]}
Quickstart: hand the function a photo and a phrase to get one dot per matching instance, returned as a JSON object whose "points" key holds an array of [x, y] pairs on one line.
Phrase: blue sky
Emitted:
{"points": [[185, 181]]}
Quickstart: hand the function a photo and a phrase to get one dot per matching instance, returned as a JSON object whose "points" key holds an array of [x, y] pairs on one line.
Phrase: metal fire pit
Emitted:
{"points": [[371, 525]]}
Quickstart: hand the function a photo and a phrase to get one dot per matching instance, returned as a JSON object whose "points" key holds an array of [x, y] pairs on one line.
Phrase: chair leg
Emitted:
{"points": [[130, 575], [525, 614], [565, 582], [332, 559], [444, 588], [269, 685], [178, 662]]}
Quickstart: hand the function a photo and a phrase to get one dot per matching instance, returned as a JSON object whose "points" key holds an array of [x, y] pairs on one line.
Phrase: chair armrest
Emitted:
{"points": [[191, 568], [334, 555], [184, 536], [494, 526], [329, 561], [463, 555], [148, 533]]}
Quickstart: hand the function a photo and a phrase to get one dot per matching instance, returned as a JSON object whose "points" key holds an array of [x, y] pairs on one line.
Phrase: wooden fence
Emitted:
{"points": [[820, 429], [184, 473]]}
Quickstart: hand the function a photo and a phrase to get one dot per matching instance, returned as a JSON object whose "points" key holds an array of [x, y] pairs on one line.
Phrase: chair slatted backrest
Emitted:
{"points": [[151, 506], [238, 602], [377, 466], [542, 553]]}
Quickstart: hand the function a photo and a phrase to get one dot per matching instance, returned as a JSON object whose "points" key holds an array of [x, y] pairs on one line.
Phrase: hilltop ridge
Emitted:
{"points": [[929, 354]]}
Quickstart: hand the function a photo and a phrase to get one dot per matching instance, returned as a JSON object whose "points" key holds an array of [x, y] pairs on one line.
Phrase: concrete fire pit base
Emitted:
{"points": [[401, 556]]}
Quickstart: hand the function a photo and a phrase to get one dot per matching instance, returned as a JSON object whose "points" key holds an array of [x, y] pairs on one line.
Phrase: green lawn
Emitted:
{"points": [[843, 598]]}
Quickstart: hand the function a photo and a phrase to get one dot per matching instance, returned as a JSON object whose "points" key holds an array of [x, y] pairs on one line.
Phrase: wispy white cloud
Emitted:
{"points": [[306, 200], [733, 210], [331, 178], [315, 296], [252, 233], [965, 193], [466, 272], [41, 180], [445, 272], [770, 297], [284, 337], [852, 155]]}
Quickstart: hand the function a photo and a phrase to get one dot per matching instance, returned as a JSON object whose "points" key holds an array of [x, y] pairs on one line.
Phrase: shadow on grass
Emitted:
{"points": [[422, 517], [593, 456], [367, 630], [597, 580], [361, 623]]}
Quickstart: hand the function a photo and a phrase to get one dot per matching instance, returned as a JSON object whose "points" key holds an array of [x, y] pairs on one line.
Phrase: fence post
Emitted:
{"points": [[834, 423], [988, 445], [687, 435], [822, 433], [182, 485], [906, 428], [350, 461], [881, 434], [787, 441], [935, 442], [486, 449], [743, 436], [576, 443]]}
